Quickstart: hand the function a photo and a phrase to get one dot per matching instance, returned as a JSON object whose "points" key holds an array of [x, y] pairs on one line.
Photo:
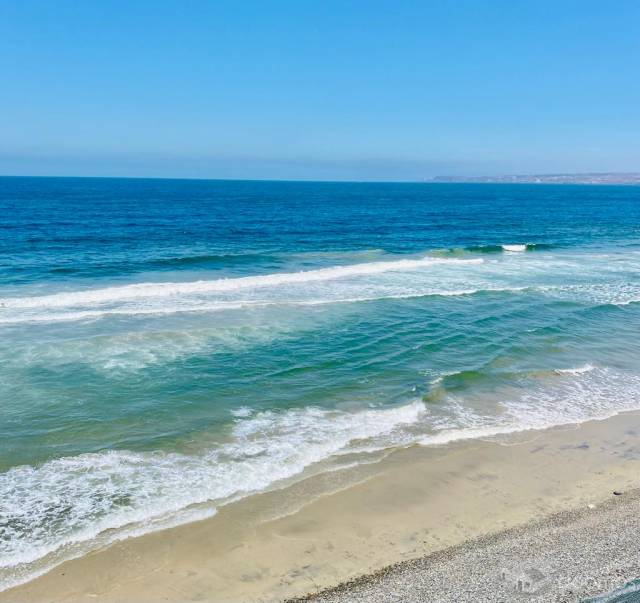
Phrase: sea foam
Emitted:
{"points": [[152, 290], [351, 283], [72, 500], [68, 502]]}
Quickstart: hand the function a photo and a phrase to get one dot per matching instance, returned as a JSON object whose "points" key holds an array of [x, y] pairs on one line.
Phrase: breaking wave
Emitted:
{"points": [[69, 501], [311, 287], [151, 290], [57, 509]]}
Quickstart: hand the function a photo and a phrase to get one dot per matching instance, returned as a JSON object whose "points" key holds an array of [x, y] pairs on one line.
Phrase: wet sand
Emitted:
{"points": [[335, 527]]}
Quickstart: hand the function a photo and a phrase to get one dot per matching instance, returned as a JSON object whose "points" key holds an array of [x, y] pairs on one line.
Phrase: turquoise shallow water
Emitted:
{"points": [[170, 346], [629, 593]]}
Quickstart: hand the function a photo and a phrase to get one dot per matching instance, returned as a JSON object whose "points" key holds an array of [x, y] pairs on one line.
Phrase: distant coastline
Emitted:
{"points": [[629, 179], [588, 178]]}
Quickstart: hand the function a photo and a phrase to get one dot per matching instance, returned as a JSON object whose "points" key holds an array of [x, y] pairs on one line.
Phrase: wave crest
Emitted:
{"points": [[152, 290], [72, 500]]}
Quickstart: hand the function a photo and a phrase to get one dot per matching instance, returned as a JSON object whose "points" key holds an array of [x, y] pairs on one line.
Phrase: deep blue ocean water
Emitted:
{"points": [[170, 346]]}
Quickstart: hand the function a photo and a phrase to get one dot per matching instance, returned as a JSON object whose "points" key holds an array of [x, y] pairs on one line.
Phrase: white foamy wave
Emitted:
{"points": [[60, 508], [154, 290], [553, 274], [70, 501], [579, 370], [617, 293], [94, 314], [574, 396], [401, 279], [194, 308]]}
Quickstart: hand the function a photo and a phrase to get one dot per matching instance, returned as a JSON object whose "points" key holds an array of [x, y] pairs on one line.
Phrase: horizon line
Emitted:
{"points": [[441, 179]]}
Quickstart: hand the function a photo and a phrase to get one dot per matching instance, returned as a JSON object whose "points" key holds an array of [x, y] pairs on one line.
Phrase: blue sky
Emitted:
{"points": [[319, 90]]}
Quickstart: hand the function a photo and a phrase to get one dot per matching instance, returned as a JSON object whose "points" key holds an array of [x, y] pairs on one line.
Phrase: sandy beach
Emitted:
{"points": [[414, 503], [569, 556]]}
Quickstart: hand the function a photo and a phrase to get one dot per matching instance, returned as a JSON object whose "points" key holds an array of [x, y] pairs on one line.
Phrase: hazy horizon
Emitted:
{"points": [[437, 180]]}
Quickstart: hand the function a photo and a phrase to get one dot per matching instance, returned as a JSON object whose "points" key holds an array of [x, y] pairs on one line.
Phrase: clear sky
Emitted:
{"points": [[371, 90]]}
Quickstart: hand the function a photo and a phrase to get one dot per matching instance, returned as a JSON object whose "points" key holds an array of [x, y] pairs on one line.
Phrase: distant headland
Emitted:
{"points": [[589, 178]]}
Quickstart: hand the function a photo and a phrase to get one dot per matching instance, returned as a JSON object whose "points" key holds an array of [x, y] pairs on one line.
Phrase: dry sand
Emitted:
{"points": [[335, 527], [569, 556]]}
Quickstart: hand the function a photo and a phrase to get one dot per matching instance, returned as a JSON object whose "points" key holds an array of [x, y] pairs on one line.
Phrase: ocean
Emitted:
{"points": [[168, 347]]}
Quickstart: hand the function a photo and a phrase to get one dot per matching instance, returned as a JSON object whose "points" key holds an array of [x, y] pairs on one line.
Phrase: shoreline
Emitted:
{"points": [[536, 561], [338, 526]]}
